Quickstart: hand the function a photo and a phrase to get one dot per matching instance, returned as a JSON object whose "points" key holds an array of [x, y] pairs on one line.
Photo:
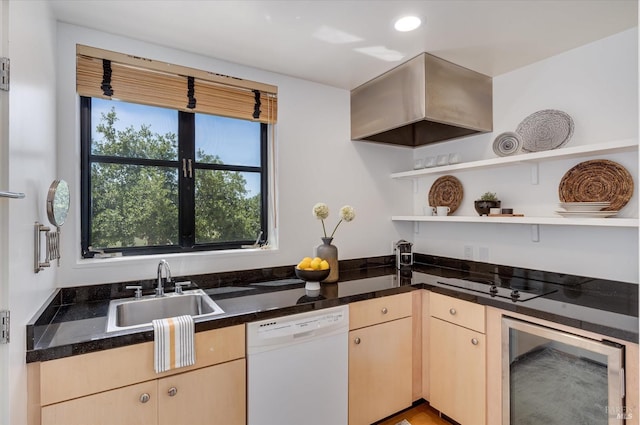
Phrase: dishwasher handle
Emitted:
{"points": [[304, 334]]}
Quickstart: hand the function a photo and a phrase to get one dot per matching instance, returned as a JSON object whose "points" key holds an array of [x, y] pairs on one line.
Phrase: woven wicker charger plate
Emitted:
{"points": [[446, 191], [595, 181]]}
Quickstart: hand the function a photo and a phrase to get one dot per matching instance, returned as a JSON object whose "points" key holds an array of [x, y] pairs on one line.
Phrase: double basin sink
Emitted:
{"points": [[131, 313]]}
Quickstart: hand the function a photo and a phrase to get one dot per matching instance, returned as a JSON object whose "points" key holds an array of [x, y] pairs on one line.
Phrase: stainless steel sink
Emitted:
{"points": [[132, 313]]}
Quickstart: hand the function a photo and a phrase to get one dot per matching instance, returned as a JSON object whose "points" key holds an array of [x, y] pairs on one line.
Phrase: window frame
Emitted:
{"points": [[186, 193]]}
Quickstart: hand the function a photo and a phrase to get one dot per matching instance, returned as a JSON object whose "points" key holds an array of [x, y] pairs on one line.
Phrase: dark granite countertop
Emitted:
{"points": [[73, 320]]}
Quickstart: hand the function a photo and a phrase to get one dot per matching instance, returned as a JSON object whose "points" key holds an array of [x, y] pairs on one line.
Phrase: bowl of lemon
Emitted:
{"points": [[312, 269]]}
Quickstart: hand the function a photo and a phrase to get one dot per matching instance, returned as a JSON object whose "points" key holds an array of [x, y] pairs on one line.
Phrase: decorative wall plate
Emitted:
{"points": [[507, 143], [545, 130], [446, 191], [595, 181]]}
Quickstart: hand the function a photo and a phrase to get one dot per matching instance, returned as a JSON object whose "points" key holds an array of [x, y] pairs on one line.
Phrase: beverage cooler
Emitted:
{"points": [[556, 378]]}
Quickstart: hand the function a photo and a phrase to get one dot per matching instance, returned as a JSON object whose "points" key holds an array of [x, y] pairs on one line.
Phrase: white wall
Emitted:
{"points": [[315, 162], [31, 169], [597, 84]]}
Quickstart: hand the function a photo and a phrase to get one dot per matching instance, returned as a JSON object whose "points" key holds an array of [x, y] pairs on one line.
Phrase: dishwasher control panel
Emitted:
{"points": [[299, 326]]}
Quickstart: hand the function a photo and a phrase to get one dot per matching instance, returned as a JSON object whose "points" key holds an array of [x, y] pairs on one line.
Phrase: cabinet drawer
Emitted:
{"points": [[459, 312], [128, 365], [379, 310]]}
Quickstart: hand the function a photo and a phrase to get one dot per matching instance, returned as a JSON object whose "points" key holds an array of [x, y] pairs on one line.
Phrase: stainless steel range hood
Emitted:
{"points": [[424, 100]]}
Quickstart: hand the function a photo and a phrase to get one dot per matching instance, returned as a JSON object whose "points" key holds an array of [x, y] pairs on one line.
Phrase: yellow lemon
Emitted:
{"points": [[324, 265], [305, 263], [315, 263]]}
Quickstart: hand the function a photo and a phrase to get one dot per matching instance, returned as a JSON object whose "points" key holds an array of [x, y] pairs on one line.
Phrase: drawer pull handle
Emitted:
{"points": [[172, 391], [474, 341], [144, 398], [384, 310], [452, 311], [357, 340]]}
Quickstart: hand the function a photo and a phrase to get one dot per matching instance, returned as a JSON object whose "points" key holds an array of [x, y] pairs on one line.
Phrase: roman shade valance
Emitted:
{"points": [[110, 75]]}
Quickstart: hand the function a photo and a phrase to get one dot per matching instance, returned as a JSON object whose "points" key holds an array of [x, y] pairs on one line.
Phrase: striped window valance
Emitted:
{"points": [[110, 75]]}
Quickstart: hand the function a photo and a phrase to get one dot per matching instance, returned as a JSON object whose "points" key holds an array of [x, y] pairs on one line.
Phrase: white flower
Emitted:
{"points": [[347, 213], [320, 211]]}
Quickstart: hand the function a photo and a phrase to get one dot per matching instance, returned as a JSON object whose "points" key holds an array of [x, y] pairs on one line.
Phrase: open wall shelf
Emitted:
{"points": [[627, 145], [554, 221]]}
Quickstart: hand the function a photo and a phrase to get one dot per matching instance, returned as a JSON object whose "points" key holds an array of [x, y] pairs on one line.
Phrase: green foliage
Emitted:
{"points": [[134, 205], [223, 211], [488, 196]]}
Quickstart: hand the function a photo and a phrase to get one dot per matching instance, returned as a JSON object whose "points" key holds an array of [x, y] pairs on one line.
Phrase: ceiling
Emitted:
{"points": [[344, 43]]}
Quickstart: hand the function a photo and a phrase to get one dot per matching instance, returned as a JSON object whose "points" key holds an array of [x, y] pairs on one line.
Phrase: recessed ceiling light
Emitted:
{"points": [[407, 23]]}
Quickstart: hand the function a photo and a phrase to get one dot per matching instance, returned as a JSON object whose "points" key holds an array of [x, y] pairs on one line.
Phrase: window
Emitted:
{"points": [[166, 179]]}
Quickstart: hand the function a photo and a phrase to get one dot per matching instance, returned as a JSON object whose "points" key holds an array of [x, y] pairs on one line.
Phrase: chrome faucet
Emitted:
{"points": [[160, 287]]}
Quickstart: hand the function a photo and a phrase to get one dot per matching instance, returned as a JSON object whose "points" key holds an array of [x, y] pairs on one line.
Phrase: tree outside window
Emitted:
{"points": [[160, 180]]}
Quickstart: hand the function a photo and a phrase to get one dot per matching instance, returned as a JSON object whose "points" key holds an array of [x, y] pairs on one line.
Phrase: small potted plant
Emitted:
{"points": [[487, 201]]}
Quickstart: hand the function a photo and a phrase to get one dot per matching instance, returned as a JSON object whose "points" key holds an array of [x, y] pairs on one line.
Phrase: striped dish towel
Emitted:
{"points": [[173, 343]]}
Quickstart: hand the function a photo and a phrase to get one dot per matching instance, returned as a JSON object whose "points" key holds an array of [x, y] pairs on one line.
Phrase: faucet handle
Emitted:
{"points": [[179, 285], [138, 288]]}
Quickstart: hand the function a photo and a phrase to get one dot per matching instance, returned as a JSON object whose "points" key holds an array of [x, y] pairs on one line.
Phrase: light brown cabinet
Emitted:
{"points": [[457, 357], [212, 395], [380, 358], [119, 386], [121, 406]]}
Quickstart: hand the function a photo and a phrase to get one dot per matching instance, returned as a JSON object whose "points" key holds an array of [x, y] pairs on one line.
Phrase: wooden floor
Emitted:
{"points": [[422, 414]]}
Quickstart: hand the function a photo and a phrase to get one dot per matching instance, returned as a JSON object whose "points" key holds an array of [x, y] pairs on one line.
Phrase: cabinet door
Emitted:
{"points": [[457, 372], [380, 371], [124, 406], [212, 395]]}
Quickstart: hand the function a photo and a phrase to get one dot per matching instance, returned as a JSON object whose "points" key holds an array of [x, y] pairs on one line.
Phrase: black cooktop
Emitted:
{"points": [[515, 289]]}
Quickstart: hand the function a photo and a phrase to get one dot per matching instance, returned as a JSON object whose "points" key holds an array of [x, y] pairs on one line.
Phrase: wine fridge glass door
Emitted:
{"points": [[552, 377]]}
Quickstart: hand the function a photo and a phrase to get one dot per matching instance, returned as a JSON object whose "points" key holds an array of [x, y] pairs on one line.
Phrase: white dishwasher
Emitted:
{"points": [[297, 369]]}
